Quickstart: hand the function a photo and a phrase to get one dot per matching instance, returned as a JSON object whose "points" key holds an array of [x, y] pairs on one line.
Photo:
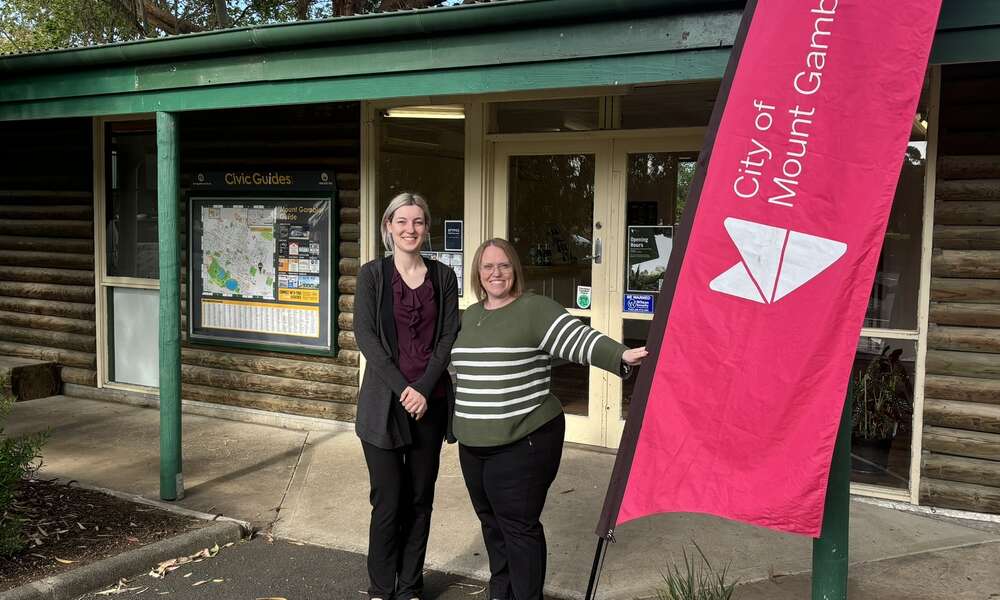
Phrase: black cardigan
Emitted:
{"points": [[381, 419]]}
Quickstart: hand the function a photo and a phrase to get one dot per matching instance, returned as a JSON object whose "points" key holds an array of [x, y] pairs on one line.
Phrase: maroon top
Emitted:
{"points": [[415, 312]]}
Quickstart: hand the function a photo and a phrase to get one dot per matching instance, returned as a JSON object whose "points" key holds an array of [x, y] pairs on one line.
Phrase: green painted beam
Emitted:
{"points": [[604, 71], [963, 14], [588, 40], [168, 223], [966, 46]]}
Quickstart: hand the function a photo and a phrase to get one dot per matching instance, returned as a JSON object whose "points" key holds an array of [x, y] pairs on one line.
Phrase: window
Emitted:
{"points": [[130, 199], [536, 116]]}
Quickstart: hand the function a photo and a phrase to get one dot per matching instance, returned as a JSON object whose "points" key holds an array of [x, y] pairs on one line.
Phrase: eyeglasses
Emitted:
{"points": [[504, 268]]}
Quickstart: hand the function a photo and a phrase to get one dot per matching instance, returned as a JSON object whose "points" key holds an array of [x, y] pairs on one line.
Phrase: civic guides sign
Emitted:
{"points": [[736, 411]]}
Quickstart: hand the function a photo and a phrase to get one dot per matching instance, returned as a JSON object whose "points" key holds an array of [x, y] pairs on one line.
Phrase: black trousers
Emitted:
{"points": [[402, 497], [508, 485]]}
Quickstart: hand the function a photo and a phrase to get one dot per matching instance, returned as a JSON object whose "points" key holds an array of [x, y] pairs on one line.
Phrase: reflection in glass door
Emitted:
{"points": [[550, 202]]}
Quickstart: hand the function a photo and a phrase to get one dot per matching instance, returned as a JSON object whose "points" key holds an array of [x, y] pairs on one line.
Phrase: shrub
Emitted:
{"points": [[697, 581], [17, 462]]}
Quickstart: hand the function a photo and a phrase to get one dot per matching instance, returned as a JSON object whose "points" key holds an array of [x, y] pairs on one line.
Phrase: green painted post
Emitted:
{"points": [[830, 549], [168, 209]]}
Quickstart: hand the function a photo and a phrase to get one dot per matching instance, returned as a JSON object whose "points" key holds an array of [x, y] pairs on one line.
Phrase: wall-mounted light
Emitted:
{"points": [[442, 111]]}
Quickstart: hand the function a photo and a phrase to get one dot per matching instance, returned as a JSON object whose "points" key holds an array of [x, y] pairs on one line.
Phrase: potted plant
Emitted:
{"points": [[882, 402]]}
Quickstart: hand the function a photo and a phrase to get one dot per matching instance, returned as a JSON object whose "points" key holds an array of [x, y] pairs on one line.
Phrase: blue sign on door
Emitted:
{"points": [[638, 303]]}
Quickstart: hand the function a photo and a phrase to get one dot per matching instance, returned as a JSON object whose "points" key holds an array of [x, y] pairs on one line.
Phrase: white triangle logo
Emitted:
{"points": [[774, 261]]}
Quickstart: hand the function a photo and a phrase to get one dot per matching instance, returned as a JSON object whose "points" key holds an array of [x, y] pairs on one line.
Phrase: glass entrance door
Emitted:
{"points": [[550, 199], [652, 181]]}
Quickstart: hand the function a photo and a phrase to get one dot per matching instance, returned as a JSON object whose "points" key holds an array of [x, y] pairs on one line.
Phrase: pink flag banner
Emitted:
{"points": [[736, 411]]}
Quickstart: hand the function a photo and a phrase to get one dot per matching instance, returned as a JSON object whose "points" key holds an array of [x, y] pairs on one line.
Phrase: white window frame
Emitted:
{"points": [[102, 281]]}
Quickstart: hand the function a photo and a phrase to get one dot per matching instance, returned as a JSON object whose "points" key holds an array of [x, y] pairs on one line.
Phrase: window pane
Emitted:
{"points": [[130, 200], [551, 222], [882, 412], [671, 105], [893, 301], [533, 116], [133, 358], [426, 156]]}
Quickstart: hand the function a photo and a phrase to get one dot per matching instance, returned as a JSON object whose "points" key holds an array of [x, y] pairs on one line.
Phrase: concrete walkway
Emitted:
{"points": [[311, 486]]}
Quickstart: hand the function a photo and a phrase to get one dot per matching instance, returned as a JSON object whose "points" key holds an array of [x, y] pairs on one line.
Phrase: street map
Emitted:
{"points": [[238, 252]]}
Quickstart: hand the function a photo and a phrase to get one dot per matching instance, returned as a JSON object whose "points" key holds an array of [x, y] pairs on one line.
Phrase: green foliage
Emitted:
{"points": [[698, 580], [882, 398], [32, 25], [17, 461]]}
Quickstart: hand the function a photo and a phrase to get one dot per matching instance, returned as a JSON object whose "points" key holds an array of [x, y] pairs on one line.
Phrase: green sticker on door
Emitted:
{"points": [[583, 296]]}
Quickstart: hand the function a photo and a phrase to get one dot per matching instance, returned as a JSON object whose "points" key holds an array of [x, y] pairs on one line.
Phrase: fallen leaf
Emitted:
{"points": [[218, 580], [64, 561], [197, 583], [272, 598]]}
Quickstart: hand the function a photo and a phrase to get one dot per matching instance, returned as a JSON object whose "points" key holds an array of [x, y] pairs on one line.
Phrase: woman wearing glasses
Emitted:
{"points": [[405, 321], [509, 425]]}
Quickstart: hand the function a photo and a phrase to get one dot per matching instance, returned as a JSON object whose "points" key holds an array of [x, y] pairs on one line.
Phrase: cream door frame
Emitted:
{"points": [[680, 140], [589, 429]]}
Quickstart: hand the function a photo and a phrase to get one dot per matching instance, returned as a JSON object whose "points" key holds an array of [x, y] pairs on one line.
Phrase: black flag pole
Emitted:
{"points": [[644, 379]]}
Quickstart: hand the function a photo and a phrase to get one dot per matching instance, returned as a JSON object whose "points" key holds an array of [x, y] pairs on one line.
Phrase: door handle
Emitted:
{"points": [[597, 251]]}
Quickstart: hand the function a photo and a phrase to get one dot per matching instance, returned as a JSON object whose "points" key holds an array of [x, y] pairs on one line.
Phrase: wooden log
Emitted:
{"points": [[972, 416], [36, 195], [280, 367], [234, 380], [48, 244], [965, 389], [345, 302], [17, 319], [347, 284], [345, 321], [350, 232], [948, 289], [974, 190], [351, 357], [29, 379], [966, 339], [319, 358], [70, 358], [961, 443], [34, 275], [79, 376], [963, 364], [349, 198], [345, 339], [81, 212], [968, 167], [48, 228], [70, 310], [21, 258], [966, 263], [967, 213], [967, 237], [44, 291], [961, 468], [339, 411], [970, 315], [350, 249], [350, 215], [348, 266], [348, 181], [961, 496], [51, 339]]}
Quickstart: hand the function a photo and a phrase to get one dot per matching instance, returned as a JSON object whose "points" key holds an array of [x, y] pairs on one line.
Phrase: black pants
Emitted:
{"points": [[402, 497], [508, 485]]}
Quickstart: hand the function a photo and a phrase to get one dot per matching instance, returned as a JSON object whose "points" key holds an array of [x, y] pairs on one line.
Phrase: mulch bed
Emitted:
{"points": [[67, 527]]}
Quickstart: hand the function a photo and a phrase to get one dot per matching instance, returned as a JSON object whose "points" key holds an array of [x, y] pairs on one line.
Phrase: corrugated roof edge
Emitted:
{"points": [[438, 20]]}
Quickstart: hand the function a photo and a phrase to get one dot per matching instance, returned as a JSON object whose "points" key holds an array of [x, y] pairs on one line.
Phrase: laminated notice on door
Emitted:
{"points": [[583, 293]]}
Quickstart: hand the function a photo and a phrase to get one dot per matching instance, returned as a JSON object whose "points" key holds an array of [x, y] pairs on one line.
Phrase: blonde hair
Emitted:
{"points": [[517, 288], [401, 200]]}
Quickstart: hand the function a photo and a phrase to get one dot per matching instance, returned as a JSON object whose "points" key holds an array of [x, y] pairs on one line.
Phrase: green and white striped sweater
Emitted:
{"points": [[503, 358]]}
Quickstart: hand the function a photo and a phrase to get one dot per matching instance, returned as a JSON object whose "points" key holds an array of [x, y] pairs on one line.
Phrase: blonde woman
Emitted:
{"points": [[509, 426], [405, 321]]}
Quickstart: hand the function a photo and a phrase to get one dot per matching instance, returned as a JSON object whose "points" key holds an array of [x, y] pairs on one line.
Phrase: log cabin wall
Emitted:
{"points": [[299, 138], [46, 245], [961, 439]]}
